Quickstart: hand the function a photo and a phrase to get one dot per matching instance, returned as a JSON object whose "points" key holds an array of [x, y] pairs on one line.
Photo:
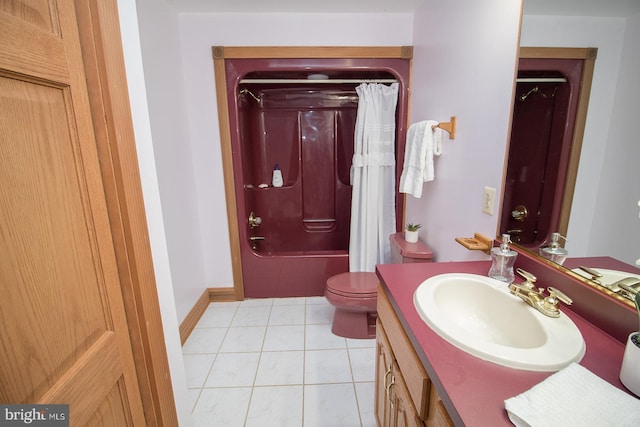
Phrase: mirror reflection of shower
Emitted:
{"points": [[536, 156]]}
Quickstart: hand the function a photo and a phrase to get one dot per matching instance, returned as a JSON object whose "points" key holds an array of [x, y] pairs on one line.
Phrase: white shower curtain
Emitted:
{"points": [[373, 211]]}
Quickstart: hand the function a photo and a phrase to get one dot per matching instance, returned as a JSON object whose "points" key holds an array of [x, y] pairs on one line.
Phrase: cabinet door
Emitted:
{"points": [[384, 366], [404, 412], [440, 417]]}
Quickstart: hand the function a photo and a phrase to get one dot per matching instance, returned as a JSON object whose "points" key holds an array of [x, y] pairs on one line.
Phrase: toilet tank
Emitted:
{"points": [[403, 252]]}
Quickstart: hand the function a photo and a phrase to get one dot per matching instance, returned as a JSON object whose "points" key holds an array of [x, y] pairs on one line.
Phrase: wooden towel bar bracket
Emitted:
{"points": [[449, 127]]}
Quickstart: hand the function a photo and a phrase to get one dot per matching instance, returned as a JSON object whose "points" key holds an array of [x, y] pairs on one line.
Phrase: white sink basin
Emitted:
{"points": [[477, 314]]}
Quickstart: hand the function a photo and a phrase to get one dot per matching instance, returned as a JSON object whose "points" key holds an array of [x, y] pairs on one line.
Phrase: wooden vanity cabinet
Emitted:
{"points": [[404, 393]]}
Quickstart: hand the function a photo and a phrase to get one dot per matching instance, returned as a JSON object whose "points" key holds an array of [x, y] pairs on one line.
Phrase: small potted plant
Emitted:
{"points": [[411, 233], [629, 374]]}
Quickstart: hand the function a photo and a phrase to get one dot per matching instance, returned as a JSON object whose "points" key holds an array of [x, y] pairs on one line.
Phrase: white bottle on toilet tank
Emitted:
{"points": [[277, 176]]}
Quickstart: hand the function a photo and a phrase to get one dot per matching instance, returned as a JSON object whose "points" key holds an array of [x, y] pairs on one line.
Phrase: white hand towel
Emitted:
{"points": [[423, 143], [574, 396]]}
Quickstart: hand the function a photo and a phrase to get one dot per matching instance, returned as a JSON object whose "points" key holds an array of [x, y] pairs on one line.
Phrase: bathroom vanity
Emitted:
{"points": [[421, 379]]}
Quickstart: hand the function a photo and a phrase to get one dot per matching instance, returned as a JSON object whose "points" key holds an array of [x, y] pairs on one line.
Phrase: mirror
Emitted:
{"points": [[591, 227]]}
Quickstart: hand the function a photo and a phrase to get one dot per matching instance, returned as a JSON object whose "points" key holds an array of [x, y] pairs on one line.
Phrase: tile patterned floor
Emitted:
{"points": [[275, 362]]}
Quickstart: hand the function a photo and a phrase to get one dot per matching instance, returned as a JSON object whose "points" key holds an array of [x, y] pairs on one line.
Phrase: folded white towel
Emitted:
{"points": [[423, 143], [574, 396]]}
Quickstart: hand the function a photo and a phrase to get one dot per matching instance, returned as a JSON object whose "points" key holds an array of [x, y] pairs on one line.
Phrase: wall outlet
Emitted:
{"points": [[488, 200]]}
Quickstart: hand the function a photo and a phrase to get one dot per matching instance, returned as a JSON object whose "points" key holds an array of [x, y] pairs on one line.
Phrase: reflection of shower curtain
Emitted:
{"points": [[373, 177]]}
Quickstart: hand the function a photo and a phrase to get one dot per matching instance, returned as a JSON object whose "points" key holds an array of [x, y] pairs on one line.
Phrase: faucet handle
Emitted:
{"points": [[529, 278], [254, 221], [558, 294], [595, 275], [549, 305]]}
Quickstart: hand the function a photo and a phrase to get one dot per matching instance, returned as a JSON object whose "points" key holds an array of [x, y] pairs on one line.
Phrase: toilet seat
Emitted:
{"points": [[354, 285]]}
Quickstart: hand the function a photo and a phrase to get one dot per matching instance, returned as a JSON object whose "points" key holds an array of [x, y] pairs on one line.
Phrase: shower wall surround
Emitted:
{"points": [[308, 133]]}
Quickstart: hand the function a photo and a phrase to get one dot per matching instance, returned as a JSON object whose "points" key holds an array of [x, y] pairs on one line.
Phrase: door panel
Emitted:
{"points": [[64, 337]]}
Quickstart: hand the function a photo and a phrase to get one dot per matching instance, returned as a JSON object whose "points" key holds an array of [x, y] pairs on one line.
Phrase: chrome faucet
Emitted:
{"points": [[547, 305]]}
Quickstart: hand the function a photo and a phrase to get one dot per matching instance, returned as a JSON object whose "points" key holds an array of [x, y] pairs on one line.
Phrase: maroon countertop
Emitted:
{"points": [[474, 390]]}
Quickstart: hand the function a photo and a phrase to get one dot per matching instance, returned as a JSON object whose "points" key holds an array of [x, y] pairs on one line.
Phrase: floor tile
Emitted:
{"points": [[361, 343], [274, 362], [233, 370], [217, 315], [320, 313], [326, 366], [280, 368], [320, 337], [245, 339], [290, 301], [251, 316], [287, 315], [276, 407], [197, 368], [193, 394], [364, 395], [204, 340], [363, 364], [330, 405], [280, 338], [222, 407], [257, 302]]}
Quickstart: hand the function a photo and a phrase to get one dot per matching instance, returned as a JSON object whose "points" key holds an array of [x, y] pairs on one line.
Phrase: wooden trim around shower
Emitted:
{"points": [[589, 55], [220, 53], [275, 52]]}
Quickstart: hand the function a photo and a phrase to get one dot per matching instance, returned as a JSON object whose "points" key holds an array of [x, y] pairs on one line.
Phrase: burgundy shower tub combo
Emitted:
{"points": [[295, 236]]}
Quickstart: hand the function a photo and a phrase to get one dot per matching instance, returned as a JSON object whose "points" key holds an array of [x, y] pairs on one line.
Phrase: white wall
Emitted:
{"points": [[616, 209], [198, 33], [464, 65], [160, 42], [607, 34], [151, 195]]}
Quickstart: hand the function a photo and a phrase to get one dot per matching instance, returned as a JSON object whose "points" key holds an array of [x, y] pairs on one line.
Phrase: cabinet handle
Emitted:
{"points": [[386, 374], [388, 388]]}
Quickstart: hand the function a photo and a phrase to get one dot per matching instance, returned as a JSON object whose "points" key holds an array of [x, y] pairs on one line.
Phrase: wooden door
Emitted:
{"points": [[64, 336]]}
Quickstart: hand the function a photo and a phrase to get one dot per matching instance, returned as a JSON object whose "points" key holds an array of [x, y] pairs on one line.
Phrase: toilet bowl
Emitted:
{"points": [[354, 295]]}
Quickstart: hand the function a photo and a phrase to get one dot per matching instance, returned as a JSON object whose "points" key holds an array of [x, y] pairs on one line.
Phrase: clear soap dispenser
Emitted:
{"points": [[554, 252], [502, 260]]}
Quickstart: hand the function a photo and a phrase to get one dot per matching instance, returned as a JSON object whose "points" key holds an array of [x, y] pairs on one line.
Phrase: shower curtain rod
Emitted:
{"points": [[338, 81], [541, 80], [334, 81]]}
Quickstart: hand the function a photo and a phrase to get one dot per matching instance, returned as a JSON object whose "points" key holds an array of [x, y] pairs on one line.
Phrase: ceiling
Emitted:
{"points": [[610, 8]]}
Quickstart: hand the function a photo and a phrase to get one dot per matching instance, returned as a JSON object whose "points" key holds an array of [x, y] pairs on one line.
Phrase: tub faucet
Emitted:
{"points": [[254, 240], [254, 221], [547, 305]]}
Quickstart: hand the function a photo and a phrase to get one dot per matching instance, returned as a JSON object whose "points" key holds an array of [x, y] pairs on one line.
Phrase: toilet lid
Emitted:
{"points": [[357, 283]]}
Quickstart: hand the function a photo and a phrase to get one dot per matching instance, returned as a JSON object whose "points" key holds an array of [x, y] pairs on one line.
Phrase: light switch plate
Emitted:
{"points": [[488, 200]]}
